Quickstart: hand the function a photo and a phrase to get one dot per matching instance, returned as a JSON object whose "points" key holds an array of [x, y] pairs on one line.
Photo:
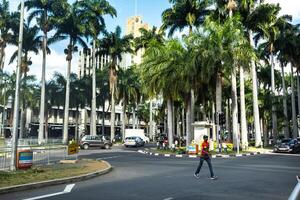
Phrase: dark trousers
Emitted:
{"points": [[208, 160]]}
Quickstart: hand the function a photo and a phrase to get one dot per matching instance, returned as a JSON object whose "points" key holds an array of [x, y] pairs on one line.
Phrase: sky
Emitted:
{"points": [[150, 10]]}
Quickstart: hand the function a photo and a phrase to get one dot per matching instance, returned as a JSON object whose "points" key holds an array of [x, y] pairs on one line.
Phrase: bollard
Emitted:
{"points": [[296, 192]]}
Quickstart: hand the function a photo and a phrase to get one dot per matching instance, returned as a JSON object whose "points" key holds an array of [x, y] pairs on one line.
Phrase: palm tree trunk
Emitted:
{"points": [[285, 112], [244, 134], [236, 141], [227, 124], [103, 117], [67, 97], [22, 123], [112, 116], [188, 124], [123, 118], [298, 91], [213, 114], [93, 130], [133, 117], [192, 111], [76, 126], [170, 122], [274, 115], [2, 56], [46, 126], [295, 129], [266, 137], [183, 121], [151, 121], [255, 98], [218, 105], [43, 89]]}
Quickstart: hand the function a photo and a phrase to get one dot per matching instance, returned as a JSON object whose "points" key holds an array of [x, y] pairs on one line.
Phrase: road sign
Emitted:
{"points": [[72, 149]]}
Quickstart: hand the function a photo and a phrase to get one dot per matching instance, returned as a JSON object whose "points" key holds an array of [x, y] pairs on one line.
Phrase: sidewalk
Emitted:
{"points": [[251, 152]]}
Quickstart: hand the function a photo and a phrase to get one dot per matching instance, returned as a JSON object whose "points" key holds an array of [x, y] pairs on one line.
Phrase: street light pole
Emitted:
{"points": [[17, 94]]}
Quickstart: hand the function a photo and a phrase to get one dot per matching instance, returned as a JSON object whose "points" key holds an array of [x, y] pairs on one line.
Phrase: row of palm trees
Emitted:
{"points": [[230, 36], [200, 68]]}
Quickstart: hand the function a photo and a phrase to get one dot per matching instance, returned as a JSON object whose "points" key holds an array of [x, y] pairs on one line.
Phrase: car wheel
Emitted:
{"points": [[106, 146], [85, 146]]}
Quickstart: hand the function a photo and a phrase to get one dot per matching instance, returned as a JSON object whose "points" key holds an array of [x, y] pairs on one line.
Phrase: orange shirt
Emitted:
{"points": [[204, 148]]}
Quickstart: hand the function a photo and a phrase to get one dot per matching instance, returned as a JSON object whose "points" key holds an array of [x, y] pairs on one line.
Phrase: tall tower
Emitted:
{"points": [[133, 26]]}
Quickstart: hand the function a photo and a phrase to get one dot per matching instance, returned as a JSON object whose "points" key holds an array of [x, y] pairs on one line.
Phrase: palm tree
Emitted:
{"points": [[44, 12], [114, 45], [31, 44], [162, 72], [71, 27], [129, 91], [8, 23], [103, 95], [269, 30], [92, 12], [147, 36], [186, 13], [246, 8]]}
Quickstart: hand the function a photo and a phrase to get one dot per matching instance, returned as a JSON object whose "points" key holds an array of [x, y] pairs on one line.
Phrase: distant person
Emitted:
{"points": [[205, 156]]}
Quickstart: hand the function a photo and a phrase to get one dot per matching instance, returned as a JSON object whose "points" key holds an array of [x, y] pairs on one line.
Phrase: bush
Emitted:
{"points": [[181, 150]]}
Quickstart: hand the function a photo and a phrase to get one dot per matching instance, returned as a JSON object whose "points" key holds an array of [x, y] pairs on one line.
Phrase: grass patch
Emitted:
{"points": [[37, 174]]}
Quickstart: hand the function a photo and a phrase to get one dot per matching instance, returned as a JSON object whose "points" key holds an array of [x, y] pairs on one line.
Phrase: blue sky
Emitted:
{"points": [[150, 10]]}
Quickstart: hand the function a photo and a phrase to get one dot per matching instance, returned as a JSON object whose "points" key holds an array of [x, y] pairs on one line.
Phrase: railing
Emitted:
{"points": [[296, 192], [42, 155]]}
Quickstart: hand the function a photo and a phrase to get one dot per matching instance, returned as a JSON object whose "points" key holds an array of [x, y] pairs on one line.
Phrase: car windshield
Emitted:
{"points": [[286, 141]]}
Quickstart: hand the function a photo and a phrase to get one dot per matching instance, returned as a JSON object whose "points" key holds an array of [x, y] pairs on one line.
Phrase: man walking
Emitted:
{"points": [[205, 156]]}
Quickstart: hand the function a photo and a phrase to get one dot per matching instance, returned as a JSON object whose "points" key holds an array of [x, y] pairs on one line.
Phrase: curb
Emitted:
{"points": [[196, 156], [56, 181]]}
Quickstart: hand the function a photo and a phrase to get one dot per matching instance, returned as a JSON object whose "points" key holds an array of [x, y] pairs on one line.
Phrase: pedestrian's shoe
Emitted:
{"points": [[213, 177], [196, 176]]}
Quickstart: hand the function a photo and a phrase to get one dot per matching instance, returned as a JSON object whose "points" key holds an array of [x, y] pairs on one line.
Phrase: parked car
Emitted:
{"points": [[134, 141], [88, 141], [288, 145]]}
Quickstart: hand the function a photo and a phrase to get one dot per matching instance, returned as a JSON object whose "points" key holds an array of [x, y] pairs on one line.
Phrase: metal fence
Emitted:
{"points": [[42, 155]]}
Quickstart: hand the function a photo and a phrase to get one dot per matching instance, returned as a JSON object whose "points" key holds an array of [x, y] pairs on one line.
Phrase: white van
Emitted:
{"points": [[138, 133]]}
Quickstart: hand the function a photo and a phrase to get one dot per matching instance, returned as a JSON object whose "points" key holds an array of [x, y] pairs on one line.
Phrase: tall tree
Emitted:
{"points": [[31, 44], [114, 45], [44, 12], [186, 14], [129, 91], [92, 12], [269, 30], [8, 23], [71, 27], [162, 73]]}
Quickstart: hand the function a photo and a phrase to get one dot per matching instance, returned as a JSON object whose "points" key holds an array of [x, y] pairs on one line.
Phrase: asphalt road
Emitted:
{"points": [[139, 176]]}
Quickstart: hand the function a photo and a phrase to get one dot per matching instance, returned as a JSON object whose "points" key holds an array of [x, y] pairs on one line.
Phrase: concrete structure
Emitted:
{"points": [[133, 26]]}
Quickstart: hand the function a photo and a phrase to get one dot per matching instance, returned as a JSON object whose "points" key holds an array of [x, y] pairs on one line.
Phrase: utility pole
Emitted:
{"points": [[13, 160]]}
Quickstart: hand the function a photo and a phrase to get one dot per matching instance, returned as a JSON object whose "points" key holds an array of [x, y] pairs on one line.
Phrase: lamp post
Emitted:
{"points": [[13, 160]]}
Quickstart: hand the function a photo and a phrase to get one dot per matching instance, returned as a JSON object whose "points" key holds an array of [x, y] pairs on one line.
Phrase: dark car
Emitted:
{"points": [[288, 145], [133, 141], [88, 141]]}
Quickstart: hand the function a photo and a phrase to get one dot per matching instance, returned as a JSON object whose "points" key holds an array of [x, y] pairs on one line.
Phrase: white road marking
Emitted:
{"points": [[105, 158], [170, 198], [167, 155], [67, 189], [178, 156]]}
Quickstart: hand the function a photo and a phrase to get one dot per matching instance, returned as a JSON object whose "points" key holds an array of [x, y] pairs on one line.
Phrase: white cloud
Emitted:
{"points": [[290, 7], [56, 61]]}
